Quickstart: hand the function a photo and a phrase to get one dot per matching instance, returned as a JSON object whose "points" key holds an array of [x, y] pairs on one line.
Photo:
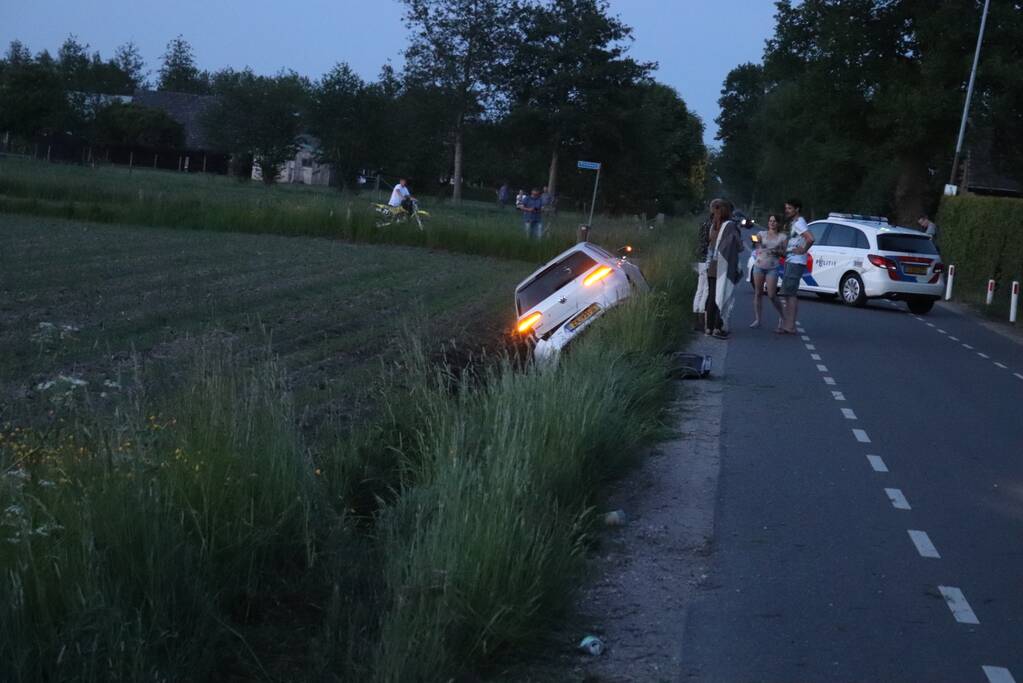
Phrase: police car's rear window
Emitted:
{"points": [[552, 279], [909, 244]]}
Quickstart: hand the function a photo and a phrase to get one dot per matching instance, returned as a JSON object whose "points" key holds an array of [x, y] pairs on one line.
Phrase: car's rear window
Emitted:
{"points": [[910, 244], [553, 278]]}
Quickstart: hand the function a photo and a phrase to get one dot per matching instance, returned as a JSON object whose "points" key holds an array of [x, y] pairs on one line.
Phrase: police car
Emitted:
{"points": [[864, 257]]}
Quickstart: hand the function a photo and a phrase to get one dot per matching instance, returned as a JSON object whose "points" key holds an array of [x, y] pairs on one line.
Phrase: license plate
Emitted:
{"points": [[586, 314], [915, 270]]}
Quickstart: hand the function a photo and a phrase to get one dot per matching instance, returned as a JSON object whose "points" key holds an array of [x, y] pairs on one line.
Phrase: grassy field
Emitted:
{"points": [[174, 518], [216, 203]]}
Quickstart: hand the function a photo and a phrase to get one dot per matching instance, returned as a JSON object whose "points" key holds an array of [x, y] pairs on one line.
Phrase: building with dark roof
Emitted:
{"points": [[185, 108]]}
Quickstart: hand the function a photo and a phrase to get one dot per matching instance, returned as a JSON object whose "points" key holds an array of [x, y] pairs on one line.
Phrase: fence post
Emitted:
{"points": [[156, 158], [990, 291], [949, 279], [131, 160], [48, 148], [1014, 305]]}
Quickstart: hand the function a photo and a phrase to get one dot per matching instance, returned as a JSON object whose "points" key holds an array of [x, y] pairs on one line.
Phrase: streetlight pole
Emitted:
{"points": [[969, 95]]}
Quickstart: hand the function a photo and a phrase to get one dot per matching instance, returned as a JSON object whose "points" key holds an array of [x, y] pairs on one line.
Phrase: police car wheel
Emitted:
{"points": [[920, 307], [851, 290]]}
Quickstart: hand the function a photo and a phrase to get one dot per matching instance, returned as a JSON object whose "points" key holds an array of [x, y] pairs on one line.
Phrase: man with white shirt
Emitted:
{"points": [[402, 196], [800, 241]]}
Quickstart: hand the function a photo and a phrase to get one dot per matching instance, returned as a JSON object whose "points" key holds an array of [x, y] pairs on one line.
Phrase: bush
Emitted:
{"points": [[983, 238]]}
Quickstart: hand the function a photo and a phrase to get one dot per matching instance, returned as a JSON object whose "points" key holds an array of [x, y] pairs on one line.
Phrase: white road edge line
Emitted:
{"points": [[815, 356], [876, 463], [839, 396], [830, 381], [899, 501], [1003, 367], [924, 546], [861, 436], [822, 368], [998, 674], [848, 413], [956, 602]]}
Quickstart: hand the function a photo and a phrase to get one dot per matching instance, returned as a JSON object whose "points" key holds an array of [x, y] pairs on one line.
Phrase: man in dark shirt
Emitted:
{"points": [[702, 246], [532, 213]]}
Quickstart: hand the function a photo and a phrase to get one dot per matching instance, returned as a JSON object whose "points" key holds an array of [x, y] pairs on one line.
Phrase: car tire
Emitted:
{"points": [[851, 290], [920, 306], [827, 296]]}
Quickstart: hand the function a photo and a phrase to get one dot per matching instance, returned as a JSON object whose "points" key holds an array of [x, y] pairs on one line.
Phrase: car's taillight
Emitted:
{"points": [[598, 275], [529, 322], [886, 263], [939, 267]]}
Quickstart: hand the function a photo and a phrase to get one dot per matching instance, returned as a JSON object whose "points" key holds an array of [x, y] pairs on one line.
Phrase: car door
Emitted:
{"points": [[811, 281], [844, 253]]}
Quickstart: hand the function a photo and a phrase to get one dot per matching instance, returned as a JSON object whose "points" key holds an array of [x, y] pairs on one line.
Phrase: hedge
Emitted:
{"points": [[983, 238]]}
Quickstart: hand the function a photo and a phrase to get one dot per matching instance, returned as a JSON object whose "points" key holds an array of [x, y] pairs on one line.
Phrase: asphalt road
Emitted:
{"points": [[845, 555]]}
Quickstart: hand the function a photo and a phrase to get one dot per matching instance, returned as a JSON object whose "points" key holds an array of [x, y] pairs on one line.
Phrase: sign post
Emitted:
{"points": [[591, 166]]}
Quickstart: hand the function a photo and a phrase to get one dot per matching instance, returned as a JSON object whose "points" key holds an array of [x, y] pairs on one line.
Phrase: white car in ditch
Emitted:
{"points": [[562, 298]]}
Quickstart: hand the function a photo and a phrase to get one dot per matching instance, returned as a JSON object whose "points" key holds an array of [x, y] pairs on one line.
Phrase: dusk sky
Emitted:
{"points": [[695, 42]]}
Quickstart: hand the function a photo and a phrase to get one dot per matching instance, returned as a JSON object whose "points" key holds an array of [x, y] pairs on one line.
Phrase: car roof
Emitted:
{"points": [[878, 224], [593, 251]]}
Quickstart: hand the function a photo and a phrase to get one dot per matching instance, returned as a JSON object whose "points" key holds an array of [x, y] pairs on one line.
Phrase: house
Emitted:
{"points": [[304, 168]]}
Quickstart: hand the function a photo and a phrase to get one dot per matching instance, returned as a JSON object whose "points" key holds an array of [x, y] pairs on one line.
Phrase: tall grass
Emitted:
{"points": [[174, 200]]}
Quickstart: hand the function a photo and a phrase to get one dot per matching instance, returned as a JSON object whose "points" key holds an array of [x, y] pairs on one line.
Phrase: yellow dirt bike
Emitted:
{"points": [[389, 215]]}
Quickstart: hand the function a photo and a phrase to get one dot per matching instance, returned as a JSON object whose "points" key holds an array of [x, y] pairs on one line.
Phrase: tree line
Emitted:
{"points": [[491, 91], [857, 104]]}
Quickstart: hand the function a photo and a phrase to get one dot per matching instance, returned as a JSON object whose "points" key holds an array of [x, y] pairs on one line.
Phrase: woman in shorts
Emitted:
{"points": [[765, 268]]}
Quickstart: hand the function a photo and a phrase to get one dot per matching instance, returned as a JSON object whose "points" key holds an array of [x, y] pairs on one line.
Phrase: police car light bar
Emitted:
{"points": [[859, 217]]}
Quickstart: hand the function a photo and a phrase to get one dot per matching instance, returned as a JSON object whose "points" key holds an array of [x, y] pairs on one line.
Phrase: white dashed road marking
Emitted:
{"points": [[822, 368], [967, 346], [998, 674], [830, 381], [983, 355], [956, 602], [811, 347], [861, 436], [815, 356], [924, 546], [930, 324], [876, 463], [1017, 375], [954, 338], [941, 331], [805, 338], [899, 501], [848, 413], [1003, 367], [839, 396]]}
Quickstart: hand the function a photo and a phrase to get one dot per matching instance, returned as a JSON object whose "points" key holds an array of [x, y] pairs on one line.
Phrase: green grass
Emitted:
{"points": [[191, 529], [216, 203]]}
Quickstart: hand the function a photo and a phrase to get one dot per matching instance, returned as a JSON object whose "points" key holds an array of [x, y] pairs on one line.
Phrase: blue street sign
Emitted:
{"points": [[589, 165]]}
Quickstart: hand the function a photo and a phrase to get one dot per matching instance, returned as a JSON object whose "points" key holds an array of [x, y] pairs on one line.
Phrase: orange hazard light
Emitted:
{"points": [[597, 275], [529, 322]]}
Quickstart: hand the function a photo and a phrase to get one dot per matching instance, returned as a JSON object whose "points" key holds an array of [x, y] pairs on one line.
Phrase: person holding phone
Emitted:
{"points": [[770, 249]]}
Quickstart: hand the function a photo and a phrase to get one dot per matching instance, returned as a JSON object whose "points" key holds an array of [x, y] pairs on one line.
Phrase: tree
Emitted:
{"points": [[261, 116], [129, 60], [338, 117], [179, 72], [741, 157], [133, 125], [459, 47], [32, 96], [569, 69]]}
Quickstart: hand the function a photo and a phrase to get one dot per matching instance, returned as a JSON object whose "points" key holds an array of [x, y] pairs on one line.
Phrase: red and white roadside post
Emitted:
{"points": [[1014, 303], [990, 291], [949, 279]]}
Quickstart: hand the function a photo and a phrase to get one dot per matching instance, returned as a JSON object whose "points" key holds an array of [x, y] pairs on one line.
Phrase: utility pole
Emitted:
{"points": [[969, 95]]}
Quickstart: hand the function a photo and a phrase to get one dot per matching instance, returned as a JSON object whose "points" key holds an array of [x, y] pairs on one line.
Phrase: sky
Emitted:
{"points": [[695, 42]]}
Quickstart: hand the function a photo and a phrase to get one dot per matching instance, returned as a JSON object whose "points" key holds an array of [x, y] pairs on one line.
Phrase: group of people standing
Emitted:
{"points": [[532, 206], [718, 247]]}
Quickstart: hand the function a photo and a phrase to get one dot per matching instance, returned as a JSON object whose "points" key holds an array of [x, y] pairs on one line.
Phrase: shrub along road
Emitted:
{"points": [[868, 516]]}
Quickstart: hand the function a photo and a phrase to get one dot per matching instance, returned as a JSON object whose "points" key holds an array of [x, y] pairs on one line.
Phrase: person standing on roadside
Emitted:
{"points": [[727, 248], [928, 226], [702, 245], [800, 241], [765, 268], [532, 211]]}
